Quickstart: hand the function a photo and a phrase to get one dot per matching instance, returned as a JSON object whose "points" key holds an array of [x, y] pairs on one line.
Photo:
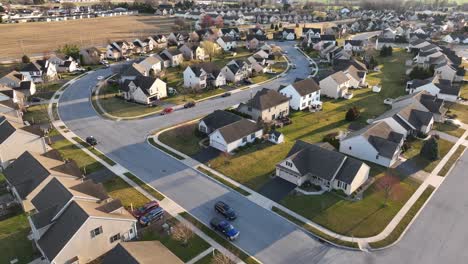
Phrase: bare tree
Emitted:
{"points": [[211, 48], [182, 233], [390, 185], [219, 258]]}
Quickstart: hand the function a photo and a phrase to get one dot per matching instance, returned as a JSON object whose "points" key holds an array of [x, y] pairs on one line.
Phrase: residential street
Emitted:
{"points": [[434, 237]]}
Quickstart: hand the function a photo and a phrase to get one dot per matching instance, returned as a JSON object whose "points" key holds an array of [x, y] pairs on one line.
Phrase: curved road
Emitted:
{"points": [[264, 234]]}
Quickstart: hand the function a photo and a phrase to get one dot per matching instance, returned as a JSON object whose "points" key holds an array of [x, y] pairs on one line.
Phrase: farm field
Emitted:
{"points": [[34, 39]]}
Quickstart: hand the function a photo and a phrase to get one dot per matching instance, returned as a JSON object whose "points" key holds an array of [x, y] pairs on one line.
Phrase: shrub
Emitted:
{"points": [[332, 138], [353, 114], [430, 149]]}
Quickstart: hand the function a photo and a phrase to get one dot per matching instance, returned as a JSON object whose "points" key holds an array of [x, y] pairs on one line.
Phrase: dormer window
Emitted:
{"points": [[289, 164]]}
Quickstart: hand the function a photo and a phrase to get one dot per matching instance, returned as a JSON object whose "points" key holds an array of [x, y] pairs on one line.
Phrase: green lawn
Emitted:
{"points": [[363, 218], [423, 163], [129, 196], [184, 138], [459, 112], [175, 155], [94, 151], [449, 129], [37, 114], [456, 155], [208, 259], [235, 188], [119, 107], [397, 232], [68, 150], [13, 240], [464, 89], [196, 244]]}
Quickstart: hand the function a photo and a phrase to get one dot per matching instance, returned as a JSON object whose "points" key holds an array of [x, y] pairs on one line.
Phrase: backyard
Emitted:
{"points": [[13, 239]]}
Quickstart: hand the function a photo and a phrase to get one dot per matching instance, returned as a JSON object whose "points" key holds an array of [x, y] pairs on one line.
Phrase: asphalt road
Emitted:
{"points": [[437, 236]]}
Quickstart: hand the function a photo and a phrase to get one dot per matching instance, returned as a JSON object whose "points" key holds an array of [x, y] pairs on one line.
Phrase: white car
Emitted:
{"points": [[100, 78], [388, 101], [454, 122]]}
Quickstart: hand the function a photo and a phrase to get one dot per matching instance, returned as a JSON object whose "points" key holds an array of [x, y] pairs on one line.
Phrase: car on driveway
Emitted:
{"points": [[141, 211], [91, 141], [226, 94], [225, 210], [225, 228], [167, 110], [454, 122], [189, 105], [153, 215]]}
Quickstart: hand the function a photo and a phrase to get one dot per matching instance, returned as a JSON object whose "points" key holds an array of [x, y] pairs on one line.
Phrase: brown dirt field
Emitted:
{"points": [[34, 39]]}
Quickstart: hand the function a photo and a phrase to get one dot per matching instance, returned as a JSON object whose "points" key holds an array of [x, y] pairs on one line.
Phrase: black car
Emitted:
{"points": [[225, 210], [189, 105], [227, 94], [36, 99], [91, 141]]}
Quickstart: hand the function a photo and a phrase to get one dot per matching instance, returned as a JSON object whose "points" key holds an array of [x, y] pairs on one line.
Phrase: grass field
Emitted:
{"points": [[423, 163], [13, 239], [449, 129], [69, 151], [182, 139], [120, 189], [34, 39]]}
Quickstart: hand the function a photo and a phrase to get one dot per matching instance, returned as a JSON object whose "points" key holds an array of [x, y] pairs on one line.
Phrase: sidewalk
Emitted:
{"points": [[433, 180], [169, 206]]}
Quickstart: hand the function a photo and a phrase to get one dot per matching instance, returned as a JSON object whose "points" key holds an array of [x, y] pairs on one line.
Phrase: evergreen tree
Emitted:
{"points": [[25, 59], [430, 149]]}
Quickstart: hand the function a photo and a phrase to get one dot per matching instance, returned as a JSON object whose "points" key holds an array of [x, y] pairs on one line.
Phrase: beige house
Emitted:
{"points": [[335, 85], [144, 90], [91, 56], [15, 138], [266, 105], [322, 165]]}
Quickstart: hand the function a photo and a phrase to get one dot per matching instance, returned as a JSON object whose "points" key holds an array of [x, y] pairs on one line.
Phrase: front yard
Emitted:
{"points": [[449, 129], [422, 163], [185, 138], [459, 111]]}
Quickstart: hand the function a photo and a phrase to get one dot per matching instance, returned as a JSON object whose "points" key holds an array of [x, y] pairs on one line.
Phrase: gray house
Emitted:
{"points": [[266, 105]]}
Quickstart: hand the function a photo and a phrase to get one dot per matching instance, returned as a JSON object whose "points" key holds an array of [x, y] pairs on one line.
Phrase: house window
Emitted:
{"points": [[244, 139], [377, 157], [289, 164], [114, 238], [350, 148], [96, 232]]}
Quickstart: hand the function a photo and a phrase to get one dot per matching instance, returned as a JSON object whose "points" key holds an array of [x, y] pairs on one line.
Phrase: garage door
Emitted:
{"points": [[217, 145]]}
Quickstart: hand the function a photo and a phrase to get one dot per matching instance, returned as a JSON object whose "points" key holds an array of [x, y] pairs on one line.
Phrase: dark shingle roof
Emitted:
{"points": [[349, 170], [140, 252], [266, 98], [6, 129], [381, 136], [306, 86], [238, 130], [220, 118]]}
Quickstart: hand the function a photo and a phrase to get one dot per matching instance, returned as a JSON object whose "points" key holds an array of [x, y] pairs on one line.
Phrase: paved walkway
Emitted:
{"points": [[432, 180], [169, 206]]}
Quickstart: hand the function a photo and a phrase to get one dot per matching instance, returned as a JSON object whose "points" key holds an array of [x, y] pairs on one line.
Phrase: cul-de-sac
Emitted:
{"points": [[234, 131]]}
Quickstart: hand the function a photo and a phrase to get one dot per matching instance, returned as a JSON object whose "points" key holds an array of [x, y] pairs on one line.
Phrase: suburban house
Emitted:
{"points": [[252, 42], [230, 32], [63, 63], [288, 34], [236, 71], [15, 138], [86, 230], [227, 43], [267, 105], [449, 72], [356, 77], [203, 75], [433, 104], [435, 86], [236, 134], [303, 94], [377, 143], [141, 252], [118, 49], [135, 70], [144, 90], [193, 52], [151, 64], [322, 165], [174, 55], [37, 70], [335, 85], [13, 79], [354, 45], [91, 56], [311, 33], [30, 172], [216, 120]]}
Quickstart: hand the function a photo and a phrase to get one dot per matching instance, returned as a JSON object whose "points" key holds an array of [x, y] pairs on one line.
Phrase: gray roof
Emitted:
{"points": [[306, 86], [432, 103], [135, 70], [6, 129], [143, 82], [313, 159], [349, 170], [266, 98], [25, 174], [62, 230], [220, 118], [140, 252], [238, 130]]}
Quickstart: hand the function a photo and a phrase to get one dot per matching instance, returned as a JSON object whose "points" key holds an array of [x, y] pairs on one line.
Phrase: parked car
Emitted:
{"points": [[91, 141], [225, 228], [225, 210], [293, 66], [141, 211], [189, 105], [167, 110], [153, 215], [454, 122], [100, 77], [226, 94], [36, 99]]}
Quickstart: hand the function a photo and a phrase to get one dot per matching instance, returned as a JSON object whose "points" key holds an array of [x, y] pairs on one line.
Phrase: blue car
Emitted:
{"points": [[154, 214], [225, 228]]}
